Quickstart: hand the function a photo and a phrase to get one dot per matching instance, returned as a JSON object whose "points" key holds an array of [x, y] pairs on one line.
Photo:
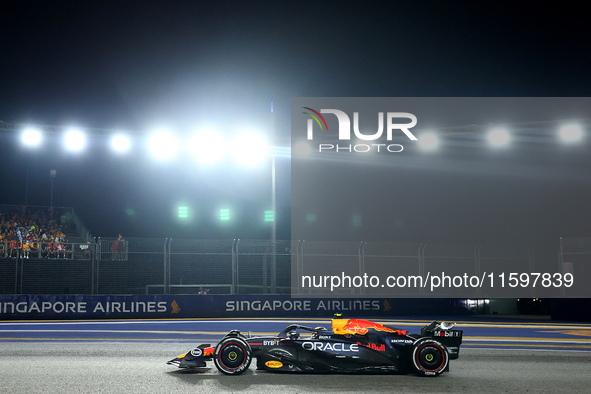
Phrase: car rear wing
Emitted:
{"points": [[442, 331]]}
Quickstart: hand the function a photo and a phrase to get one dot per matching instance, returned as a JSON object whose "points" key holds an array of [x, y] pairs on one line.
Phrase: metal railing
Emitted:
{"points": [[234, 266], [47, 250]]}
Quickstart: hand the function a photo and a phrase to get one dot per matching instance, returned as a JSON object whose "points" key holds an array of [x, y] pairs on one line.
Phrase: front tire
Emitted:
{"points": [[429, 357], [232, 356]]}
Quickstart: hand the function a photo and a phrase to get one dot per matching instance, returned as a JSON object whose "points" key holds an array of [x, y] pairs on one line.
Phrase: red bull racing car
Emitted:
{"points": [[350, 346]]}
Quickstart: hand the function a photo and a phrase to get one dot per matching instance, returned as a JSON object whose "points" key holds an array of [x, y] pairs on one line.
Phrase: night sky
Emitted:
{"points": [[188, 64]]}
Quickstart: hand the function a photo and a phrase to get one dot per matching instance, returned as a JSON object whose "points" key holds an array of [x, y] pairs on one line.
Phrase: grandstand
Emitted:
{"points": [[81, 264], [39, 235]]}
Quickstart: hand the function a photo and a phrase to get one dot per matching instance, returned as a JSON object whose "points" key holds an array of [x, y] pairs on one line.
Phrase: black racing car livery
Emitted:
{"points": [[351, 346]]}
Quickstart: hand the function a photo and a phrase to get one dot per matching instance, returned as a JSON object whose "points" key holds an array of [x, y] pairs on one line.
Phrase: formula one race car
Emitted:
{"points": [[351, 346]]}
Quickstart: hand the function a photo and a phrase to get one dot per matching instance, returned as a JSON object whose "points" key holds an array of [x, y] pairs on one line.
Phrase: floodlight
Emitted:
{"points": [[74, 140], [31, 137], [250, 149], [498, 137], [224, 214], [269, 216], [571, 133], [120, 143], [428, 141], [183, 212], [207, 146], [162, 145]]}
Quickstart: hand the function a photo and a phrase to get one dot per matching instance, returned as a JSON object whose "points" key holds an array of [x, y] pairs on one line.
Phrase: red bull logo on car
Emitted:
{"points": [[359, 327], [373, 346]]}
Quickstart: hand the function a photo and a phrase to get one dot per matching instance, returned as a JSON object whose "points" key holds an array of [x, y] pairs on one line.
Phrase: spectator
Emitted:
{"points": [[52, 249], [116, 248], [46, 250], [35, 247], [19, 246], [42, 226], [12, 247], [59, 247], [2, 243], [26, 249]]}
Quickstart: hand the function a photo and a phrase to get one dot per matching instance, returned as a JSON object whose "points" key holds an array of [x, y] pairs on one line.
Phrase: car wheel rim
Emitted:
{"points": [[232, 355], [430, 357]]}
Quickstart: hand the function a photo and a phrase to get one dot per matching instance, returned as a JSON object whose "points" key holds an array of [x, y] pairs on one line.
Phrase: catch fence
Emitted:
{"points": [[234, 266]]}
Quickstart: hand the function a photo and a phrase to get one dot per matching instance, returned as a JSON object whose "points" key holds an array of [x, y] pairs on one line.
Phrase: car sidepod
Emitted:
{"points": [[322, 355]]}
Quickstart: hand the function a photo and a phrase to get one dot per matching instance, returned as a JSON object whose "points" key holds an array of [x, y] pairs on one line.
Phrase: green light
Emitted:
{"points": [[311, 217], [224, 214], [356, 220], [269, 216], [183, 212], [130, 211]]}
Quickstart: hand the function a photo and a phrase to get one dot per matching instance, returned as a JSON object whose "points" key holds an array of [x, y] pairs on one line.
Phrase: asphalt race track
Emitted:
{"points": [[129, 356]]}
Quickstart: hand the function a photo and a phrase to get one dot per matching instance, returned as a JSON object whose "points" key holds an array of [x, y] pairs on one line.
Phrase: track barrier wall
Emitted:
{"points": [[32, 307]]}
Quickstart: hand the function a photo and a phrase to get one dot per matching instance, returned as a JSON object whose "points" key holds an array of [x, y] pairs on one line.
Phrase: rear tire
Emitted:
{"points": [[429, 357], [232, 356]]}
